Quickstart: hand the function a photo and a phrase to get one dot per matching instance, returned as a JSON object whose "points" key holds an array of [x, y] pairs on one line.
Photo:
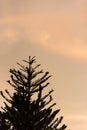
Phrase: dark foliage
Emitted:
{"points": [[23, 110]]}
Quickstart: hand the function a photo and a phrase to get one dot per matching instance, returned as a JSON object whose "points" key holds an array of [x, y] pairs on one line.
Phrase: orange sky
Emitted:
{"points": [[55, 31]]}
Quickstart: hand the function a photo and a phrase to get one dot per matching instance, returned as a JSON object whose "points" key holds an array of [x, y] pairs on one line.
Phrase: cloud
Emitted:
{"points": [[61, 31], [76, 121], [8, 36]]}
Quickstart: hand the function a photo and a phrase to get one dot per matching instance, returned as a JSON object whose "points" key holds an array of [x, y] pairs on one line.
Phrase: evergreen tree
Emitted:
{"points": [[28, 108]]}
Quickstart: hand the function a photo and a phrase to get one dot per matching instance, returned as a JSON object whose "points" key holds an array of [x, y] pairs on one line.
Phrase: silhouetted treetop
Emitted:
{"points": [[29, 108]]}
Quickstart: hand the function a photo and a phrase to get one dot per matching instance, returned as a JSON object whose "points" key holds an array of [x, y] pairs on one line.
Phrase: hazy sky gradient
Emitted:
{"points": [[55, 31]]}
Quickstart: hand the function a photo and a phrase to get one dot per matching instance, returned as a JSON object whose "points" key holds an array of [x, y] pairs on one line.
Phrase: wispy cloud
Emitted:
{"points": [[57, 26], [64, 31]]}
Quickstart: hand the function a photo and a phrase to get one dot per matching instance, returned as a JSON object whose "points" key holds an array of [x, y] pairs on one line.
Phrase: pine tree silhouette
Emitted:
{"points": [[23, 110]]}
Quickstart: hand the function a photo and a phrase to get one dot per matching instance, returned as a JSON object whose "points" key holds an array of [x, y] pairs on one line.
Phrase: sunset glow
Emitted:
{"points": [[55, 31]]}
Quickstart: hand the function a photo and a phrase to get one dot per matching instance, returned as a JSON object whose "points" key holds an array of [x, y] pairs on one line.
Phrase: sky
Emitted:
{"points": [[55, 31]]}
